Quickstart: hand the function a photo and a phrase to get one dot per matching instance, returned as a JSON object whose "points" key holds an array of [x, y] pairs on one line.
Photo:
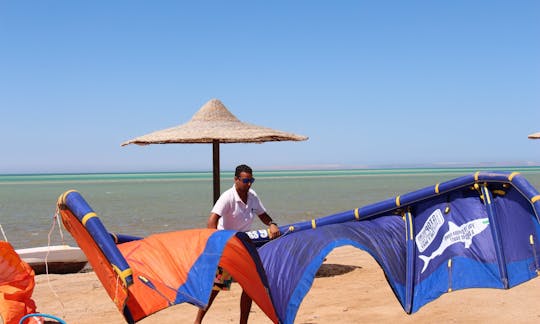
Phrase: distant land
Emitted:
{"points": [[305, 167], [403, 166]]}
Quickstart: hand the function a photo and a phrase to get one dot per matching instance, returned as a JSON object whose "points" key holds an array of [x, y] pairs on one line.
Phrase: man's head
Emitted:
{"points": [[242, 168], [243, 178]]}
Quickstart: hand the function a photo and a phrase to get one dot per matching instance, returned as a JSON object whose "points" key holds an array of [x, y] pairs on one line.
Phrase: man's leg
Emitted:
{"points": [[202, 312], [245, 307]]}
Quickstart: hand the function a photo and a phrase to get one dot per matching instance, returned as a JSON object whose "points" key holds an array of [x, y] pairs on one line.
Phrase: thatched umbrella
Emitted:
{"points": [[535, 136], [213, 123]]}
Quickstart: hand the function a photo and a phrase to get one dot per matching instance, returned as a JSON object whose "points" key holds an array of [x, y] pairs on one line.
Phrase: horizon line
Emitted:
{"points": [[305, 167]]}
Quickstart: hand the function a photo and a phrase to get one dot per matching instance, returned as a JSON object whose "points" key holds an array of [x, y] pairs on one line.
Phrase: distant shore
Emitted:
{"points": [[306, 170]]}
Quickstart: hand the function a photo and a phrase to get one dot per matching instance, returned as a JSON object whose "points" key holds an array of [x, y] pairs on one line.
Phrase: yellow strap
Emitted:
{"points": [[408, 217], [397, 201], [313, 224], [535, 198], [411, 226], [512, 175], [437, 188], [123, 274], [87, 217], [62, 198], [486, 194], [476, 175], [356, 214]]}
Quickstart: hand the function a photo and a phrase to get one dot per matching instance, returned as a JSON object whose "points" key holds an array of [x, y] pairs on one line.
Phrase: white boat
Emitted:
{"points": [[57, 258]]}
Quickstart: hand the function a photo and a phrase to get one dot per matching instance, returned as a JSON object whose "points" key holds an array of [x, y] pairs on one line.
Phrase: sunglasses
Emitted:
{"points": [[247, 180]]}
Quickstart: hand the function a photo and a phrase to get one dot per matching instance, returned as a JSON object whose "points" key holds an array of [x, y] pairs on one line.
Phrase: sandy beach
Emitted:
{"points": [[350, 287]]}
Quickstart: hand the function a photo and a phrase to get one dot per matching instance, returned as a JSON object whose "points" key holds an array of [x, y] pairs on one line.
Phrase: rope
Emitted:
{"points": [[49, 246], [288, 231], [3, 233], [53, 223], [57, 216], [116, 289]]}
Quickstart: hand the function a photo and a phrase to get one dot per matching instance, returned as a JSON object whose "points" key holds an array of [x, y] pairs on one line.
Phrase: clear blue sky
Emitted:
{"points": [[370, 82]]}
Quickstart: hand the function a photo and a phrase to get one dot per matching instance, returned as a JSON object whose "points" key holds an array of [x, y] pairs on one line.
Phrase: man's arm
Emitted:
{"points": [[273, 229], [213, 220]]}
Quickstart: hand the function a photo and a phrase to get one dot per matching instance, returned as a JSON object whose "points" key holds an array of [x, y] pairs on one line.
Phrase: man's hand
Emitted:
{"points": [[273, 231]]}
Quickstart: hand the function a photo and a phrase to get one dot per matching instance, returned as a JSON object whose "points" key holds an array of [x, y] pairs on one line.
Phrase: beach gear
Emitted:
{"points": [[481, 230], [26, 318], [16, 286], [147, 275], [59, 259]]}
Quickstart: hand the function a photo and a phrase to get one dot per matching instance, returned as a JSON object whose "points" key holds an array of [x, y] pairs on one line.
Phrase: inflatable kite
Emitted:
{"points": [[481, 230], [143, 276], [16, 286]]}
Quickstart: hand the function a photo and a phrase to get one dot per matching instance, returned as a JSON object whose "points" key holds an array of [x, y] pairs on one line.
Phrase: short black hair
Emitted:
{"points": [[242, 168]]}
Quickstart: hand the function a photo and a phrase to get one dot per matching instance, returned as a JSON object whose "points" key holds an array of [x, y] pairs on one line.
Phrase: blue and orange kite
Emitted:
{"points": [[481, 230], [147, 275]]}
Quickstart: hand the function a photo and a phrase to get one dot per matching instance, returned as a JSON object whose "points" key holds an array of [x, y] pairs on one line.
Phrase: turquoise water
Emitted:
{"points": [[145, 203]]}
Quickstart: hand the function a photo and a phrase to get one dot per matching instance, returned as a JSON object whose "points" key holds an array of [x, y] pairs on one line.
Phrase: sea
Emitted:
{"points": [[141, 204]]}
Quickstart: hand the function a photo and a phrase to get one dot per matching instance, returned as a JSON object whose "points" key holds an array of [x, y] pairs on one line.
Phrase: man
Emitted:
{"points": [[235, 210]]}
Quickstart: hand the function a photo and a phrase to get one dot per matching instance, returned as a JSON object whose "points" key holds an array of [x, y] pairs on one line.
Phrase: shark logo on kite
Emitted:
{"points": [[457, 234]]}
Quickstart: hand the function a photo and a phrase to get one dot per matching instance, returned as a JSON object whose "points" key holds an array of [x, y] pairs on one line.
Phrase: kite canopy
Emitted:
{"points": [[147, 275], [16, 286], [480, 230], [535, 136]]}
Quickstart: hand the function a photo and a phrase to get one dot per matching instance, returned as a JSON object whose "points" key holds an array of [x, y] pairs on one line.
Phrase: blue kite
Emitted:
{"points": [[481, 230]]}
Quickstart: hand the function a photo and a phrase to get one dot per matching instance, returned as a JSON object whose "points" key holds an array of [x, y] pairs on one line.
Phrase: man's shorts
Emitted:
{"points": [[223, 280]]}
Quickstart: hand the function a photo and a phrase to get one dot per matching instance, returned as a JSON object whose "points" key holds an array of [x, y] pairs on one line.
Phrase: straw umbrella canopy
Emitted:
{"points": [[215, 124], [535, 136]]}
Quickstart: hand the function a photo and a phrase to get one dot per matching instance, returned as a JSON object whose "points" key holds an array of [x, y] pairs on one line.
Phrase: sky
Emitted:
{"points": [[371, 83]]}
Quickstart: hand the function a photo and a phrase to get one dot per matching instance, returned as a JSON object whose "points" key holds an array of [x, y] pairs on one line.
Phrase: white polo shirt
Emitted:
{"points": [[235, 214]]}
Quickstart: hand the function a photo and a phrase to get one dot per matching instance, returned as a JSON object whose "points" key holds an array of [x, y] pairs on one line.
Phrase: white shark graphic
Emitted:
{"points": [[455, 234]]}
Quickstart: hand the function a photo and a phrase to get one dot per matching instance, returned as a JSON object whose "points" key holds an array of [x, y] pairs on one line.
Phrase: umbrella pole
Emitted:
{"points": [[215, 159]]}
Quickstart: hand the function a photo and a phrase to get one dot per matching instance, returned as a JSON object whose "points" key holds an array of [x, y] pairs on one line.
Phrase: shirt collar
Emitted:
{"points": [[237, 197]]}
